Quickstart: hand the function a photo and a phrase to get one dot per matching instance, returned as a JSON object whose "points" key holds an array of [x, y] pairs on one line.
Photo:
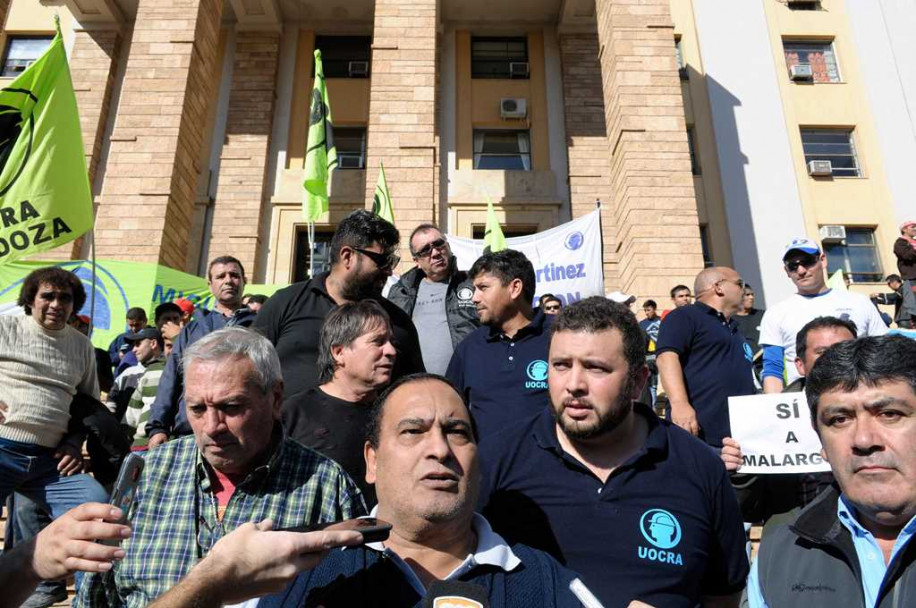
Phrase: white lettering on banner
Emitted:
{"points": [[775, 434], [566, 259]]}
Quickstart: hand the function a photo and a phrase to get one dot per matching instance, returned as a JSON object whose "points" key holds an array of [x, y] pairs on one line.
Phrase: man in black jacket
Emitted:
{"points": [[853, 546], [363, 254], [437, 296]]}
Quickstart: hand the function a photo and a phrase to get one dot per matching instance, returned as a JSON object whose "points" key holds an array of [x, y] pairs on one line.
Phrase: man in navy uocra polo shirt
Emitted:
{"points": [[501, 368], [634, 504], [703, 358]]}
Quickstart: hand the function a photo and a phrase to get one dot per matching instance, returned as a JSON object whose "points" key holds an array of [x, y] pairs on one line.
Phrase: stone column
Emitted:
{"points": [[145, 209], [655, 212], [402, 110], [587, 144], [238, 212]]}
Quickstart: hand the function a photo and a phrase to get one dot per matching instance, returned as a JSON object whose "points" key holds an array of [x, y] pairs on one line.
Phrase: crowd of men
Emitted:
{"points": [[512, 444]]}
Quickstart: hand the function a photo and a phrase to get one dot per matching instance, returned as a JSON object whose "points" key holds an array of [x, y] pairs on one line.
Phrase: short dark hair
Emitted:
{"points": [[678, 288], [801, 338], [650, 303], [136, 314], [545, 297], [424, 227], [342, 327], [256, 298], [893, 277], [596, 314], [164, 309], [224, 259], [553, 299], [869, 361], [360, 229], [56, 277], [374, 427], [507, 265]]}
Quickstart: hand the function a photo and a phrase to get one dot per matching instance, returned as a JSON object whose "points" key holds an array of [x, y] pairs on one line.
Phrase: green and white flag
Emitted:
{"points": [[493, 238], [320, 154], [45, 199], [381, 202]]}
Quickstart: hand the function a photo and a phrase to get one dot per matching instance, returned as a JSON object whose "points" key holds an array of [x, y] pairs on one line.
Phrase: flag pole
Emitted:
{"points": [[311, 235], [92, 282]]}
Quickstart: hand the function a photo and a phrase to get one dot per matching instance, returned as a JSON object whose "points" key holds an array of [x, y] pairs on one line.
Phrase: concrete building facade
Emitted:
{"points": [[694, 122]]}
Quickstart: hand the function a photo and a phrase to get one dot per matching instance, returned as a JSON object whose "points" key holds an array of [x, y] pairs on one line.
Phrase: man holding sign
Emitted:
{"points": [[852, 547]]}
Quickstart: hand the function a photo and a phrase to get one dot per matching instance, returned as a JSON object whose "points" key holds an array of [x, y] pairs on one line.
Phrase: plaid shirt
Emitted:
{"points": [[175, 522]]}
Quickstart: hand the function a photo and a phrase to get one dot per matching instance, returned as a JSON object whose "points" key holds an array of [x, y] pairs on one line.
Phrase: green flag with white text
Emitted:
{"points": [[320, 154], [45, 199], [381, 202], [493, 238]]}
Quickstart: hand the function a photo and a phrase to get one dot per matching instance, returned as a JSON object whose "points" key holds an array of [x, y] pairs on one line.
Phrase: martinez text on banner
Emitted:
{"points": [[45, 199], [775, 434]]}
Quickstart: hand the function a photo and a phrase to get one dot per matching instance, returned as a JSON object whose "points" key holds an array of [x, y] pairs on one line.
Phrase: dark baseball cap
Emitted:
{"points": [[144, 334]]}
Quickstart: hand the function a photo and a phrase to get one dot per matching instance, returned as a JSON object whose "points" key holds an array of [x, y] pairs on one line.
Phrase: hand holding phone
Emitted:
{"points": [[373, 530], [125, 488]]}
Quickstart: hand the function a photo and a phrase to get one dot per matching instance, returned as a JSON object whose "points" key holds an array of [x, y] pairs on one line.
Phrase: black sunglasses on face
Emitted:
{"points": [[426, 251], [384, 261], [807, 262]]}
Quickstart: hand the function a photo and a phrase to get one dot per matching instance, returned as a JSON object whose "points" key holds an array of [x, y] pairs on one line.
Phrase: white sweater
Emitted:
{"points": [[40, 372]]}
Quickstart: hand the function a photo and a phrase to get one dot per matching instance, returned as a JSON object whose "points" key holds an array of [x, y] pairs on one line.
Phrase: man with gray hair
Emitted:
{"points": [[237, 467], [356, 358]]}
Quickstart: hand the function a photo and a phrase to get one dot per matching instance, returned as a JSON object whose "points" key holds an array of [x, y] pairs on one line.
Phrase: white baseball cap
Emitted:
{"points": [[620, 297], [802, 244]]}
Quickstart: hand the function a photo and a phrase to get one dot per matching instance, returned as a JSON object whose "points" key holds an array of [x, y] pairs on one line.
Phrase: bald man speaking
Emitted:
{"points": [[703, 358]]}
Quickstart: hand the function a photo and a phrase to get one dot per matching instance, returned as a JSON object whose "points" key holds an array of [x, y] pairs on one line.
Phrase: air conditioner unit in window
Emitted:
{"points": [[513, 107], [832, 234], [518, 69], [358, 69], [350, 162], [820, 168], [801, 72]]}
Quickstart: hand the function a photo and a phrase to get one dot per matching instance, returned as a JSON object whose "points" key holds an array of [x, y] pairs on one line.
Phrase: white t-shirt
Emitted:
{"points": [[781, 323]]}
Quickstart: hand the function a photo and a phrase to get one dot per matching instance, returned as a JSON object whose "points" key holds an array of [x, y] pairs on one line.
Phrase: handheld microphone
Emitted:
{"points": [[456, 594]]}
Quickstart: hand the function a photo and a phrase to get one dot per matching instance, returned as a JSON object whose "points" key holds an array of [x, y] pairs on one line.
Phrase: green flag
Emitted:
{"points": [[381, 202], [320, 154], [493, 238], [45, 199]]}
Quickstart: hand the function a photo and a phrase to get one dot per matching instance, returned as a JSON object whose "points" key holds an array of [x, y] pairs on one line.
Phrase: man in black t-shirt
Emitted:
{"points": [[355, 361]]}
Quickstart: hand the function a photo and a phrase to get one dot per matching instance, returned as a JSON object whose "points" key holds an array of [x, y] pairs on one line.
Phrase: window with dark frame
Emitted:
{"points": [[504, 149], [835, 145], [691, 145], [704, 243], [857, 256], [302, 254], [351, 147], [344, 56], [819, 54], [493, 57], [21, 52], [510, 231], [679, 56]]}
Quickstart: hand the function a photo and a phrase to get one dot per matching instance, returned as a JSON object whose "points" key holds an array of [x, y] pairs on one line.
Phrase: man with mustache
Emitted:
{"points": [[501, 368], [226, 278], [363, 255], [635, 504], [437, 296], [421, 454], [853, 545]]}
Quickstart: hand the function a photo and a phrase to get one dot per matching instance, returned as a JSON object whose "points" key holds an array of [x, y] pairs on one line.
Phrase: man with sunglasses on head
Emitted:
{"points": [[437, 296], [806, 266], [363, 254]]}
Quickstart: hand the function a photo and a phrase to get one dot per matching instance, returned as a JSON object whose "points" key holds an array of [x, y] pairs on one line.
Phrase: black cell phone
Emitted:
{"points": [[373, 530], [125, 488]]}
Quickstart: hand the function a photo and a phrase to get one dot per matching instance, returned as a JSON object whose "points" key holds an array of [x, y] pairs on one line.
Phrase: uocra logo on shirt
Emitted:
{"points": [[662, 530], [537, 374]]}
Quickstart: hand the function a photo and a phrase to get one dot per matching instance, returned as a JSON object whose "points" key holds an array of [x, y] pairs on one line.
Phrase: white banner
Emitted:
{"points": [[775, 434], [566, 259]]}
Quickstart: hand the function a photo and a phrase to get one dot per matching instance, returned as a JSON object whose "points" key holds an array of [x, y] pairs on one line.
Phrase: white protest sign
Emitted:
{"points": [[775, 434], [566, 259]]}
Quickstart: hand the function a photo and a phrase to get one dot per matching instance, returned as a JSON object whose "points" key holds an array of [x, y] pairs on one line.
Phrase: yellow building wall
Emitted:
{"points": [[698, 114], [851, 201]]}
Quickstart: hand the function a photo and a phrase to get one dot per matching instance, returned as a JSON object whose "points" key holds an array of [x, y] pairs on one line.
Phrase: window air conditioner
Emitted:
{"points": [[801, 72], [820, 168], [350, 161], [358, 69], [832, 234], [518, 69], [513, 107]]}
